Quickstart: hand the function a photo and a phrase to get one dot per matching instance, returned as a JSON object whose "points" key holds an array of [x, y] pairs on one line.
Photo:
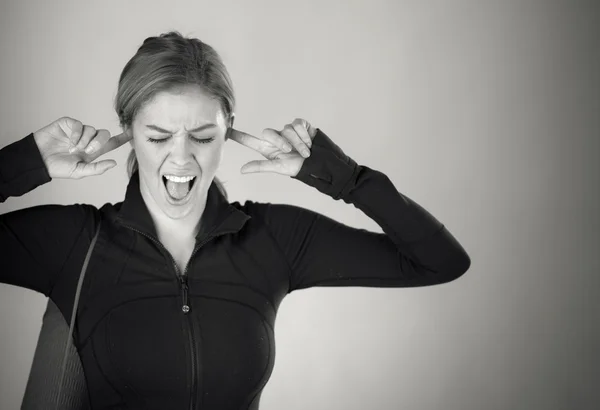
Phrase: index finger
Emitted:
{"points": [[113, 143], [250, 141]]}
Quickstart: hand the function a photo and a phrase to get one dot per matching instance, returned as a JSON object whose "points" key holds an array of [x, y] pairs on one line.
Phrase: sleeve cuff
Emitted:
{"points": [[327, 168], [21, 168]]}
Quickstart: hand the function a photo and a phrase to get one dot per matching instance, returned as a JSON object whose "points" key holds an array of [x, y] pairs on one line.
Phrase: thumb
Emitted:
{"points": [[95, 168], [275, 165]]}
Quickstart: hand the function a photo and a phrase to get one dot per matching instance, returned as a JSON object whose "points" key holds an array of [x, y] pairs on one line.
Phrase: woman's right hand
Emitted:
{"points": [[69, 148]]}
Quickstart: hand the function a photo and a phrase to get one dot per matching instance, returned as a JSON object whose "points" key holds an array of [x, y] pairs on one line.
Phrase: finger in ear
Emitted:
{"points": [[230, 127]]}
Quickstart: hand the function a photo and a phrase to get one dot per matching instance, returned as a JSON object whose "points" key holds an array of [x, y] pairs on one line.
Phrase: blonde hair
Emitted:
{"points": [[166, 62]]}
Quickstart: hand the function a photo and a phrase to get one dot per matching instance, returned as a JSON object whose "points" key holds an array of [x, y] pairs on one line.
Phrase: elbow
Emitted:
{"points": [[447, 258], [455, 268]]}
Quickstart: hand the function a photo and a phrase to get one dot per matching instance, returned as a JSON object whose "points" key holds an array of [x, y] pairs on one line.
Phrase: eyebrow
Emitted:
{"points": [[200, 128]]}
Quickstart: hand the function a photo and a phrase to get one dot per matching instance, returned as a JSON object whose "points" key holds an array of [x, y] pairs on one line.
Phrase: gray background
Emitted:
{"points": [[486, 113]]}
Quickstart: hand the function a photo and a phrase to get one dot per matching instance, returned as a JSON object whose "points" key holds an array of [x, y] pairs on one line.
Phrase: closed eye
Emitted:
{"points": [[198, 140], [203, 141]]}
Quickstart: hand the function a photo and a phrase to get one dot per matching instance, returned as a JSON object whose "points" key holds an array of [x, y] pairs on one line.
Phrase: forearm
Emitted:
{"points": [[413, 230], [22, 168]]}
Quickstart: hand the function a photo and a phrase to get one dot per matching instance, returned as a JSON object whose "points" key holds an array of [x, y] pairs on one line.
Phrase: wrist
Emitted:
{"points": [[37, 138]]}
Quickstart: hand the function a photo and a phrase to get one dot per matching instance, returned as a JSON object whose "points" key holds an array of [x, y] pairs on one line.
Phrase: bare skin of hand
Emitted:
{"points": [[69, 148], [285, 150]]}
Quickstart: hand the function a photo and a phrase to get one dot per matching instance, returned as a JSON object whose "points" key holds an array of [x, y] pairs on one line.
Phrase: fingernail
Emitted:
{"points": [[90, 148], [306, 153], [287, 148]]}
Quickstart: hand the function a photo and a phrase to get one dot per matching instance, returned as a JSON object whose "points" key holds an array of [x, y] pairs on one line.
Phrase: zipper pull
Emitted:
{"points": [[184, 288]]}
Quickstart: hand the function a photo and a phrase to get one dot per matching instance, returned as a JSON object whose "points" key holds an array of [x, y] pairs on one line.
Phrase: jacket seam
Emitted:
{"points": [[116, 368], [240, 285], [126, 261], [355, 171], [104, 375], [262, 382], [264, 319], [93, 328]]}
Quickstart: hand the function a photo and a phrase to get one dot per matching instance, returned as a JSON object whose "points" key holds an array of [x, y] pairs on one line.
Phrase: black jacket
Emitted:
{"points": [[138, 346]]}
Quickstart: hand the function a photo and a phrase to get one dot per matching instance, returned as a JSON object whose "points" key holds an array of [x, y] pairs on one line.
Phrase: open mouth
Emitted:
{"points": [[178, 187]]}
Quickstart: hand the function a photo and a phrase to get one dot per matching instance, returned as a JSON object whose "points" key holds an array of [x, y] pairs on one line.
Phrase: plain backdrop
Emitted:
{"points": [[484, 112]]}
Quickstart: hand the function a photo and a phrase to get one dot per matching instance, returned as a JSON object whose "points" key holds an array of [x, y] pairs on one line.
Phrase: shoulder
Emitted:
{"points": [[57, 223], [78, 217]]}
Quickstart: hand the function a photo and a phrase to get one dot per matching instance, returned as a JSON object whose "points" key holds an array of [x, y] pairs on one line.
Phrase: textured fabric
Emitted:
{"points": [[73, 321], [150, 337], [41, 392]]}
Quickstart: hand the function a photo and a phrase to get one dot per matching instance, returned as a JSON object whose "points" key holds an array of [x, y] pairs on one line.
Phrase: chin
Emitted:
{"points": [[175, 207], [178, 208]]}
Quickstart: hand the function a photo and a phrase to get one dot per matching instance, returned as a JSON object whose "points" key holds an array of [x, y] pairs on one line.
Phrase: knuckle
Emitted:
{"points": [[84, 133], [88, 129], [76, 128]]}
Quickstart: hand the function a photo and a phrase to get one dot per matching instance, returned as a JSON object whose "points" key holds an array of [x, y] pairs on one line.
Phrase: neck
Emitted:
{"points": [[186, 227]]}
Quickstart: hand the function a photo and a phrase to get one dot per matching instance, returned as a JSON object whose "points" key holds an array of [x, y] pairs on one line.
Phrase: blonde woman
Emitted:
{"points": [[182, 289]]}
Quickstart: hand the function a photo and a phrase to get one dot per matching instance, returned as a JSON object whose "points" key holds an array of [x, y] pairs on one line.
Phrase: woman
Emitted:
{"points": [[181, 292]]}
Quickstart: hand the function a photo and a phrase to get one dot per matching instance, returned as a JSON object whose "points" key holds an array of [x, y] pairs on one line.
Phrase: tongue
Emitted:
{"points": [[178, 190]]}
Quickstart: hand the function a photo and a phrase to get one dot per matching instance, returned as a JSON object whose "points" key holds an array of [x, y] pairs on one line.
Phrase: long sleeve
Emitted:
{"points": [[415, 249], [36, 242], [21, 168]]}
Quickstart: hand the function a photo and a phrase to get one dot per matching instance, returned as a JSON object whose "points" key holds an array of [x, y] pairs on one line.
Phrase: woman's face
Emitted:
{"points": [[178, 137]]}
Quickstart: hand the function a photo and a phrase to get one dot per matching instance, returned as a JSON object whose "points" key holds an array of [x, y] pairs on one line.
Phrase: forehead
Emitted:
{"points": [[187, 106]]}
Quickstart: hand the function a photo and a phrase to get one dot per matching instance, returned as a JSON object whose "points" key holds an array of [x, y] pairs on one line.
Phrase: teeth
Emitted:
{"points": [[175, 178]]}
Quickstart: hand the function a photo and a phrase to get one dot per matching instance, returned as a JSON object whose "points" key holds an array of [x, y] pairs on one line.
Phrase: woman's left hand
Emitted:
{"points": [[285, 150]]}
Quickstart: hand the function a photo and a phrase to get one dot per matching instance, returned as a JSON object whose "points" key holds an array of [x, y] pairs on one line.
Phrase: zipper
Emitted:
{"points": [[190, 327], [185, 305], [186, 308]]}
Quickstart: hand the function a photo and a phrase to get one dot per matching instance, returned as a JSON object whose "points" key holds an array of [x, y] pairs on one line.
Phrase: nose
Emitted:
{"points": [[181, 153]]}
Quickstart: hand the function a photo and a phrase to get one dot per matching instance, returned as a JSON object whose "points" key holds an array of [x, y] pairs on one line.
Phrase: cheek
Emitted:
{"points": [[146, 156], [210, 158]]}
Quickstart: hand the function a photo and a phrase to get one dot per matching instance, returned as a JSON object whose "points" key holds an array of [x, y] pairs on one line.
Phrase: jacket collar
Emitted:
{"points": [[219, 216]]}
